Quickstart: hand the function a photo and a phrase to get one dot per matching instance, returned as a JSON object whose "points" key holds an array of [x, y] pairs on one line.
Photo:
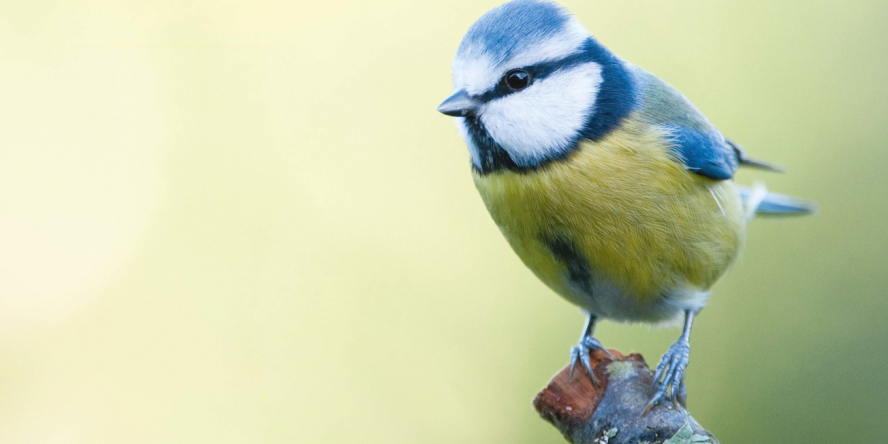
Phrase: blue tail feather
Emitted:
{"points": [[775, 204]]}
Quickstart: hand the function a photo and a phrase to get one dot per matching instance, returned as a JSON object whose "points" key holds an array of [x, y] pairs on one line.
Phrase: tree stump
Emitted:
{"points": [[611, 412]]}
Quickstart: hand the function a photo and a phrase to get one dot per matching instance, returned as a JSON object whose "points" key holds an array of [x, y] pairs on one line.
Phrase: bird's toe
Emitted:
{"points": [[582, 352], [669, 376]]}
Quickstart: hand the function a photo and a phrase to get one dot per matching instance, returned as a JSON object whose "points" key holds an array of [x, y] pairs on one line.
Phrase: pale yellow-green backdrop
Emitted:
{"points": [[244, 222]]}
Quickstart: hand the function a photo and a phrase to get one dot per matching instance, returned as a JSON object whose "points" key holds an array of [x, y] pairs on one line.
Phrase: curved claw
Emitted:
{"points": [[669, 376], [582, 352], [651, 404], [682, 393]]}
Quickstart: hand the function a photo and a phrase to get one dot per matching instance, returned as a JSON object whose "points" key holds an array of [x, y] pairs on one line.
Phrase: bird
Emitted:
{"points": [[608, 183]]}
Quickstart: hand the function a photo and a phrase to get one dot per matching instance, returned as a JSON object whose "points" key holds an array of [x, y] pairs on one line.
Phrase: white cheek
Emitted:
{"points": [[541, 121]]}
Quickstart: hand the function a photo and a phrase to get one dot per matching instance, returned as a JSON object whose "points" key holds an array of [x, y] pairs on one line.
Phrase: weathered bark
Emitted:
{"points": [[611, 412]]}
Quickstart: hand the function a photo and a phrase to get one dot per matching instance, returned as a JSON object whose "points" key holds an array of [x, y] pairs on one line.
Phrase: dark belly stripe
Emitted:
{"points": [[578, 269]]}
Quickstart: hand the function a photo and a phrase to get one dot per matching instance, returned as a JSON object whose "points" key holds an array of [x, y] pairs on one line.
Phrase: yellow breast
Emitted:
{"points": [[631, 211]]}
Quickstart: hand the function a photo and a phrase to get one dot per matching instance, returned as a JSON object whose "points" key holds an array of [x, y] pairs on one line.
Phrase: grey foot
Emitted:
{"points": [[682, 393], [669, 377], [581, 352]]}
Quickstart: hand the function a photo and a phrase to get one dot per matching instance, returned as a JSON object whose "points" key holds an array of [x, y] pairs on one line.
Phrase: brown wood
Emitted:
{"points": [[611, 412]]}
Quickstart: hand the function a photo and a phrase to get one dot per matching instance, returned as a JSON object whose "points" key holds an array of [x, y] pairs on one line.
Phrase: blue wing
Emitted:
{"points": [[704, 154], [694, 141]]}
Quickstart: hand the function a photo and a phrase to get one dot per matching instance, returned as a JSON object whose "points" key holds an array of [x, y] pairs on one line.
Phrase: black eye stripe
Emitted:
{"points": [[536, 72]]}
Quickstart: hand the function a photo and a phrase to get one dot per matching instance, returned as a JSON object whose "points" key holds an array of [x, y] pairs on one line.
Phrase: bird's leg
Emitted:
{"points": [[586, 345], [669, 377]]}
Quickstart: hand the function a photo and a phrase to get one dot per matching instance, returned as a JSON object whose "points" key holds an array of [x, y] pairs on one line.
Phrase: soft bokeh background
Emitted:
{"points": [[244, 221]]}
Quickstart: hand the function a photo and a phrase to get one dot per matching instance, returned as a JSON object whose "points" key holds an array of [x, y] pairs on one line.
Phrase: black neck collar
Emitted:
{"points": [[617, 97]]}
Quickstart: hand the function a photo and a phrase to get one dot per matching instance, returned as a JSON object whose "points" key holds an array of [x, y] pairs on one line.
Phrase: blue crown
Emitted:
{"points": [[514, 26]]}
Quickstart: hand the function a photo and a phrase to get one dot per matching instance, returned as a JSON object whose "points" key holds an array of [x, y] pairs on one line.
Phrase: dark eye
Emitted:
{"points": [[517, 79]]}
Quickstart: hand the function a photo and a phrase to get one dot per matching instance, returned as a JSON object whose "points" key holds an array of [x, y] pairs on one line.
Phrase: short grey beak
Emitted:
{"points": [[459, 104]]}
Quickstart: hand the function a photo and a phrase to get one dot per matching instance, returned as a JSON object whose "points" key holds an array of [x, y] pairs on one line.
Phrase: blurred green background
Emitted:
{"points": [[243, 221]]}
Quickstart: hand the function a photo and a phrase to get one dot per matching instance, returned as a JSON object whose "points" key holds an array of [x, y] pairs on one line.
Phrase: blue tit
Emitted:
{"points": [[609, 184]]}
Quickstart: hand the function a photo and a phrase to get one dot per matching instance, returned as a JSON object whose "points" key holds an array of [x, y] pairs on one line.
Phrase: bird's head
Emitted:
{"points": [[526, 78]]}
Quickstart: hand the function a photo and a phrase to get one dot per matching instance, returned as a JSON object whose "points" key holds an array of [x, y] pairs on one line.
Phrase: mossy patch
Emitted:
{"points": [[621, 370], [685, 435]]}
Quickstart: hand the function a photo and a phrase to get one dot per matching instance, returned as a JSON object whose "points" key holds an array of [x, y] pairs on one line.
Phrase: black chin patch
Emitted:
{"points": [[491, 155]]}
